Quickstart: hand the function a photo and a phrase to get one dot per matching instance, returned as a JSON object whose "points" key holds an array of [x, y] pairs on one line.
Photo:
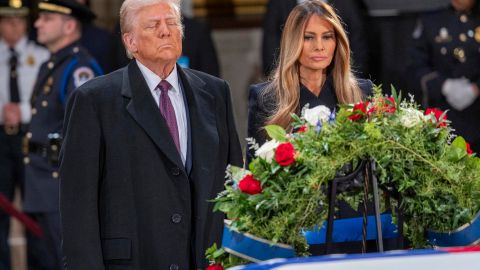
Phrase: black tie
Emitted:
{"points": [[14, 94]]}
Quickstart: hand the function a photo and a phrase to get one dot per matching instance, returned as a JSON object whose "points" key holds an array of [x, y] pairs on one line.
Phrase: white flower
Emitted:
{"points": [[319, 113], [267, 150], [411, 117]]}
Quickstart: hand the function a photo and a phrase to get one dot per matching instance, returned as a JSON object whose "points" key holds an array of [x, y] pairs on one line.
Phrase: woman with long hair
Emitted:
{"points": [[313, 67]]}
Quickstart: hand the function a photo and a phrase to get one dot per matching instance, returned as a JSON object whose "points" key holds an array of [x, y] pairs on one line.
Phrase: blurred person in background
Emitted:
{"points": [[20, 60], [445, 60], [59, 28], [349, 12], [198, 48], [97, 41]]}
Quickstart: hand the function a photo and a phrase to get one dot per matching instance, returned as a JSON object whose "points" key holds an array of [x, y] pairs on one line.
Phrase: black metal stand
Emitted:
{"points": [[368, 167]]}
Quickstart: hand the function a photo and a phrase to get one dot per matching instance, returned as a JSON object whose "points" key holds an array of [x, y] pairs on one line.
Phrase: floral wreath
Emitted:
{"points": [[282, 193]]}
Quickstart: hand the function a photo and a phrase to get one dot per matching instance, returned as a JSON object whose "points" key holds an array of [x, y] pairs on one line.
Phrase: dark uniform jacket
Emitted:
{"points": [[447, 46], [127, 201], [57, 78], [276, 17]]}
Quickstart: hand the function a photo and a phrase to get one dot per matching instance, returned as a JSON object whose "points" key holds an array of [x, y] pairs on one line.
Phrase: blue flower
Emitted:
{"points": [[333, 116], [318, 127]]}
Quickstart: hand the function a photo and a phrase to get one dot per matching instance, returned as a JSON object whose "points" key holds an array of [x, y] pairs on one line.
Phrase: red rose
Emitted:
{"points": [[215, 267], [469, 150], [390, 106], [438, 113], [285, 154], [359, 110], [302, 129], [250, 185]]}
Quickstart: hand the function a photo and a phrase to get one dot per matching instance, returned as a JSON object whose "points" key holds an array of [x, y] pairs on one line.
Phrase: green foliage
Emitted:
{"points": [[276, 132], [218, 256], [438, 182]]}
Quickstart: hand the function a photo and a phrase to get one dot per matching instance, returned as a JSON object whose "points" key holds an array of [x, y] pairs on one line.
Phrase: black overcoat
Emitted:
{"points": [[127, 201]]}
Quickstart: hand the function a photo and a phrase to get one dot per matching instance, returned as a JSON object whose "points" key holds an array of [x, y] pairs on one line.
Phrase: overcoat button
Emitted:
{"points": [[175, 171], [176, 218]]}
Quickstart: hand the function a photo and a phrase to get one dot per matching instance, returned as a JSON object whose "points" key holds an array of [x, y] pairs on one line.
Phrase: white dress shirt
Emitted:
{"points": [[30, 58], [176, 97]]}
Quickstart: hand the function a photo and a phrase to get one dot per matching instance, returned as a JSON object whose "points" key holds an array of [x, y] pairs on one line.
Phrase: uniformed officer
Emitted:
{"points": [[445, 59], [20, 60], [70, 65]]}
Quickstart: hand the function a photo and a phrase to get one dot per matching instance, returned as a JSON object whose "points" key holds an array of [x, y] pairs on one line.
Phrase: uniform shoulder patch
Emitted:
{"points": [[81, 75]]}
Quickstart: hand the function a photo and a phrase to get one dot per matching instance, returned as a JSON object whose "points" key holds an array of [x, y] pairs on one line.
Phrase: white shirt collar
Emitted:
{"points": [[19, 47], [153, 79]]}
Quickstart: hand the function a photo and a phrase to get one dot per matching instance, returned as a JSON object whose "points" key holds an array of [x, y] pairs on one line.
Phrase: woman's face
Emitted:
{"points": [[319, 43], [463, 5]]}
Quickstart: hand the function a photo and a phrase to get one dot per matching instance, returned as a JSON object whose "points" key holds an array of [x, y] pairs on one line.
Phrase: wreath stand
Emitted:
{"points": [[370, 185]]}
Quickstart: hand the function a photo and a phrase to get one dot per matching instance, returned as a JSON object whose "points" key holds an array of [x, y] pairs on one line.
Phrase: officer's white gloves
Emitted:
{"points": [[460, 93]]}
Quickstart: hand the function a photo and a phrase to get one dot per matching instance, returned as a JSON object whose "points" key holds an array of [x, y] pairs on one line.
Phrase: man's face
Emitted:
{"points": [[50, 28], [12, 29], [463, 5], [156, 35]]}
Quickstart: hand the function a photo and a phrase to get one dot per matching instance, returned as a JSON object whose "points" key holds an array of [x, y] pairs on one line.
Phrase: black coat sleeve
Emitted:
{"points": [[80, 172], [235, 150]]}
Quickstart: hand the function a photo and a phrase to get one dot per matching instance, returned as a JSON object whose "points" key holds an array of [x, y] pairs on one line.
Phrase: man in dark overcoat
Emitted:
{"points": [[145, 148]]}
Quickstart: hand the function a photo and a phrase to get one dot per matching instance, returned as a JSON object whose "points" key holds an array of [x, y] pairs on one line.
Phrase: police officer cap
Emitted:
{"points": [[67, 7], [13, 8]]}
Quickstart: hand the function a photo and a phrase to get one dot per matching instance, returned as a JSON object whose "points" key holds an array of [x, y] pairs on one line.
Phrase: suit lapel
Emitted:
{"points": [[146, 113], [203, 129], [205, 143]]}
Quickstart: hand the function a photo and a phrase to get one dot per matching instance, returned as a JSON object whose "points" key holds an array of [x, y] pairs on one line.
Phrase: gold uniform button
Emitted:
{"points": [[54, 147], [34, 111], [463, 18], [76, 50], [46, 89], [462, 37], [55, 175], [29, 135], [50, 65], [443, 51], [50, 81], [44, 103], [26, 160]]}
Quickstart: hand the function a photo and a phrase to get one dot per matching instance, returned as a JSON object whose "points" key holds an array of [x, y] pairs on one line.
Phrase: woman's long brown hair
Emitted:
{"points": [[285, 86]]}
